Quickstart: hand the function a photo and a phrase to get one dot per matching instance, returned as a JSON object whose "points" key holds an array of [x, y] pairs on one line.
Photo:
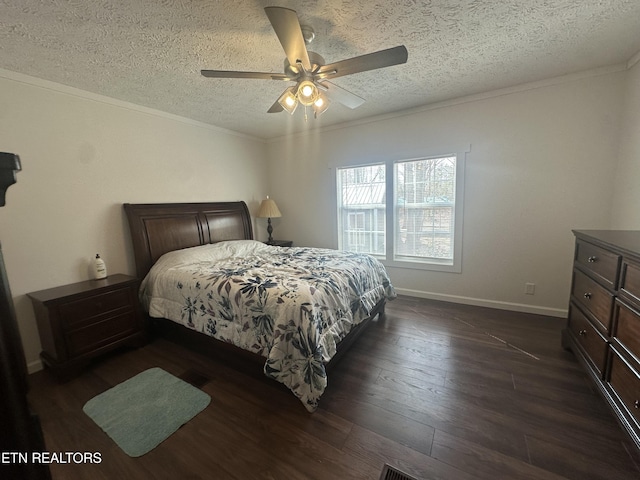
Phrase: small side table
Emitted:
{"points": [[80, 321], [280, 243]]}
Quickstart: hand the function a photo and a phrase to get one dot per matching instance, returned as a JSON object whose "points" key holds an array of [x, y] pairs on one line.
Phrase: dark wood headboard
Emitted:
{"points": [[158, 228]]}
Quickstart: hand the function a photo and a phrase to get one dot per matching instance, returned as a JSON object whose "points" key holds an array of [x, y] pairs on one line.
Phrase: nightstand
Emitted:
{"points": [[83, 320], [280, 243]]}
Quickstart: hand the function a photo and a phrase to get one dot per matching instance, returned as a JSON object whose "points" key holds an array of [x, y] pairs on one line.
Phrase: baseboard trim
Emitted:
{"points": [[480, 302]]}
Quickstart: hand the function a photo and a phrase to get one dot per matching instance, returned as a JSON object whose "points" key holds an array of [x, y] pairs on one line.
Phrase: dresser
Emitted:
{"points": [[603, 326], [80, 321]]}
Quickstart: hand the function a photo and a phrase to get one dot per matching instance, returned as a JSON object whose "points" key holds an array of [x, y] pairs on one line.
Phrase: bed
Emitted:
{"points": [[208, 283]]}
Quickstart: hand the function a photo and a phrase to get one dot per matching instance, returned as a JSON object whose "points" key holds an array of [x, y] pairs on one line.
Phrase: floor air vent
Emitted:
{"points": [[391, 473]]}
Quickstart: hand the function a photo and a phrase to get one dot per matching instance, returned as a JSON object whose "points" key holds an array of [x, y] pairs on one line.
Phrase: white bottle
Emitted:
{"points": [[100, 268]]}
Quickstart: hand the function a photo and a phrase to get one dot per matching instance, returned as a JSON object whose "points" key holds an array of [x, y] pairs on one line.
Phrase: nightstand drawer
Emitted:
{"points": [[77, 312], [594, 297], [602, 263], [589, 338], [98, 334]]}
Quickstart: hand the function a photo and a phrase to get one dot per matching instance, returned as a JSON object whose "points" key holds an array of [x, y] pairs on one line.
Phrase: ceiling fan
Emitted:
{"points": [[308, 69]]}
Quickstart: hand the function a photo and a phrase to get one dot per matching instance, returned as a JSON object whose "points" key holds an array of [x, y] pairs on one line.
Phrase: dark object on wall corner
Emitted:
{"points": [[9, 167], [20, 430]]}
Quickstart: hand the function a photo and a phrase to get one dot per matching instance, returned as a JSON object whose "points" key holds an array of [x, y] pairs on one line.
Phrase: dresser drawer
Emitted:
{"points": [[78, 311], [599, 261], [630, 281], [594, 297], [625, 381], [588, 337], [627, 328], [104, 332]]}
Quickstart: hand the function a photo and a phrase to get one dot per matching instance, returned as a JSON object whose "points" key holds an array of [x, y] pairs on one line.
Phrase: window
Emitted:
{"points": [[424, 198], [362, 209], [423, 214]]}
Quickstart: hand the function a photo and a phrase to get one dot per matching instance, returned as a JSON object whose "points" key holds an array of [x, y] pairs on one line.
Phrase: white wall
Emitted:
{"points": [[82, 157], [626, 200], [541, 163]]}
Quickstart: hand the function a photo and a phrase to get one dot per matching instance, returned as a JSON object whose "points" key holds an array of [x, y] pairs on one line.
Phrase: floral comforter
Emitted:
{"points": [[289, 305]]}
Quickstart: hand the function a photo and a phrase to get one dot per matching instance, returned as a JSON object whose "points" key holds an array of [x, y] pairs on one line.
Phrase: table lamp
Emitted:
{"points": [[269, 210]]}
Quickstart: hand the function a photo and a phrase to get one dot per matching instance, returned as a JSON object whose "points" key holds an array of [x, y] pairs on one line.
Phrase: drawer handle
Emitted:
{"points": [[592, 259], [637, 404], [582, 333], [587, 296]]}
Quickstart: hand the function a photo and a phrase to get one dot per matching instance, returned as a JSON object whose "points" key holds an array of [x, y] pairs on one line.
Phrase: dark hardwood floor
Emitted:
{"points": [[441, 391]]}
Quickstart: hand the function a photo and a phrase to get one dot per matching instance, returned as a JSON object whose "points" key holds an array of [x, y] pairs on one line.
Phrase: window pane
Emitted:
{"points": [[361, 209], [424, 207]]}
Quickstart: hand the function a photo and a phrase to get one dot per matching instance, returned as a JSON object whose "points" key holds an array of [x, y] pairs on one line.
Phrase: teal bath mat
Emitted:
{"points": [[142, 412]]}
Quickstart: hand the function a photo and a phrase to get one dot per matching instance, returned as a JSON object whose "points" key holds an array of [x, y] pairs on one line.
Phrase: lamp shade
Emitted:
{"points": [[269, 209]]}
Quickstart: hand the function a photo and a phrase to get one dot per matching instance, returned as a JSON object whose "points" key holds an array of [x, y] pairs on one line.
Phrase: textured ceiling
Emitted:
{"points": [[150, 52]]}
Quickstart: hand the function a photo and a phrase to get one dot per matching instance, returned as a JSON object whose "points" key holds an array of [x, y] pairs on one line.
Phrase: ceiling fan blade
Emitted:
{"points": [[234, 74], [287, 27], [275, 108], [363, 63], [341, 95]]}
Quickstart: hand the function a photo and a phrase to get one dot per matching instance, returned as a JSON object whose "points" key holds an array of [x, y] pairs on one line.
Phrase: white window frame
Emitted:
{"points": [[454, 265]]}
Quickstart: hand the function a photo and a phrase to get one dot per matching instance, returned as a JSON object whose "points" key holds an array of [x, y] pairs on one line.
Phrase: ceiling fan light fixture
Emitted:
{"points": [[288, 100], [307, 93], [320, 105], [309, 70]]}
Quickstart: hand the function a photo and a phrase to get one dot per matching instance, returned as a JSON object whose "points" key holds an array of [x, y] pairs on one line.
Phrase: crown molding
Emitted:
{"points": [[83, 94], [467, 99]]}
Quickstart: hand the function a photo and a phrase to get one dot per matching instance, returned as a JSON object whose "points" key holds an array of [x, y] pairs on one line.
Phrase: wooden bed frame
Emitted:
{"points": [[163, 227]]}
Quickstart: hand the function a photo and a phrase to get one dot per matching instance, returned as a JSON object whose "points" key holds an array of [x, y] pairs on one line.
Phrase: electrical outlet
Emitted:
{"points": [[530, 288]]}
